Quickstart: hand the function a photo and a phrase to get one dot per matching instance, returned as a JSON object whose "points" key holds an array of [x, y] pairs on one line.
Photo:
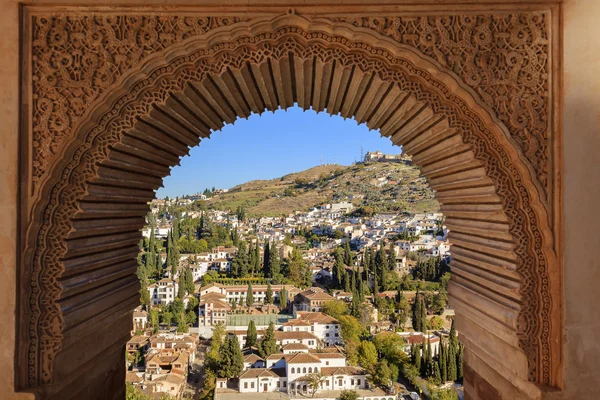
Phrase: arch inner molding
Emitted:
{"points": [[466, 95]]}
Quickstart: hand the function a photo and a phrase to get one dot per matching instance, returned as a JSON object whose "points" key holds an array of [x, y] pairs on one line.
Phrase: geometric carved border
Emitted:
{"points": [[521, 200]]}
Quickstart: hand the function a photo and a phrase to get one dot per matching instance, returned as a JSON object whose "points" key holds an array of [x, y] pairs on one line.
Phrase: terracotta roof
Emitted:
{"points": [[317, 317], [252, 358], [301, 358], [280, 335], [138, 314], [276, 356], [257, 373], [316, 294], [329, 355], [328, 349], [295, 346], [296, 322], [330, 371], [212, 296], [133, 377], [137, 340], [418, 339]]}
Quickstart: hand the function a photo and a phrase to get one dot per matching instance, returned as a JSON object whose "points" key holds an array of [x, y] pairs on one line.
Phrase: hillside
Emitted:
{"points": [[384, 186]]}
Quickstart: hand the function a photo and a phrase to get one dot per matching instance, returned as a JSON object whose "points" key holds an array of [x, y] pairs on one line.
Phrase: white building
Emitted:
{"points": [[163, 292]]}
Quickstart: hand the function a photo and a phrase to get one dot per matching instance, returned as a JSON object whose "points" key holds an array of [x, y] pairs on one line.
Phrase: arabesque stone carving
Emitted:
{"points": [[67, 79]]}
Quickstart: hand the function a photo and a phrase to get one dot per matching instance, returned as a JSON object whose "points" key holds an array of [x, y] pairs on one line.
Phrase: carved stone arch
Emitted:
{"points": [[81, 255]]}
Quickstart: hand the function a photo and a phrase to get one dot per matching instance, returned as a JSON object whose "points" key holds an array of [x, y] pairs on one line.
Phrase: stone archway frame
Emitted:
{"points": [[504, 164]]}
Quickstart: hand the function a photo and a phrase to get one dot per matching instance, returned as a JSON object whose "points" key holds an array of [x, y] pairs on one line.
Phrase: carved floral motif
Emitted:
{"points": [[76, 58], [504, 58]]}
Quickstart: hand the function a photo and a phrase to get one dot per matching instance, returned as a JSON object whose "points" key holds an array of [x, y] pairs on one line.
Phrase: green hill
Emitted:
{"points": [[384, 186]]}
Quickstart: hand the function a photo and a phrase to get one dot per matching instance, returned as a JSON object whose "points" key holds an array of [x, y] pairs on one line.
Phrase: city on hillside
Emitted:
{"points": [[330, 283]]}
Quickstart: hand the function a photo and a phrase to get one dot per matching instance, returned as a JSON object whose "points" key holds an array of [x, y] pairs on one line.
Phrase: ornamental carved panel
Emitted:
{"points": [[501, 61]]}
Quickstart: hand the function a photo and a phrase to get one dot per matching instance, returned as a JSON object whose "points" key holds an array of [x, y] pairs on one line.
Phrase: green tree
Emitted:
{"points": [[384, 376], [367, 355], [381, 265], [213, 356], [423, 309], [348, 256], [274, 265], [144, 294], [181, 288], [249, 296], [232, 360], [133, 393], [251, 337], [452, 373], [269, 294], [389, 345], [417, 357], [266, 259], [167, 318], [268, 344], [315, 381], [338, 269], [240, 265], [283, 298], [392, 257], [335, 308], [154, 320], [348, 395]]}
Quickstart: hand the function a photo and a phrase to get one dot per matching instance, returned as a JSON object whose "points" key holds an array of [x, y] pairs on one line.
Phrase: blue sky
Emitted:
{"points": [[271, 145]]}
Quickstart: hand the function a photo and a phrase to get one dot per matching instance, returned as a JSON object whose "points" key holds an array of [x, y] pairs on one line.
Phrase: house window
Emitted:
{"points": [[327, 335], [293, 370], [310, 370], [252, 385], [326, 362], [284, 384], [337, 334], [304, 370], [245, 385], [277, 383], [326, 383]]}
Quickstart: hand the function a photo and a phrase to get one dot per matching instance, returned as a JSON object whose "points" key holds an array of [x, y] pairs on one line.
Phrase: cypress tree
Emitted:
{"points": [[251, 335], [443, 361], [269, 294], [459, 361], [274, 266], [266, 258], [338, 270], [418, 357], [241, 302], [423, 309], [249, 296], [283, 298], [256, 266], [268, 345], [347, 286], [416, 312], [452, 375], [181, 288], [429, 363], [348, 258], [375, 287], [437, 377], [366, 262], [392, 257], [189, 281]]}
